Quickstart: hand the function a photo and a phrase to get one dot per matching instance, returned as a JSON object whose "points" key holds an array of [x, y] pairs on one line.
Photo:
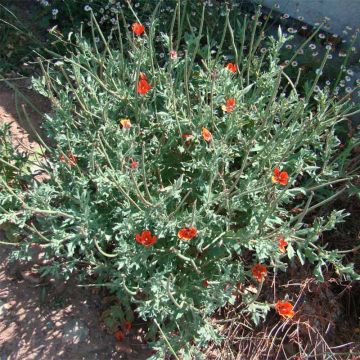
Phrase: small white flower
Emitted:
{"points": [[288, 46], [328, 82], [286, 16], [342, 53], [312, 46], [87, 8], [55, 12], [348, 89], [347, 78], [322, 36], [294, 63]]}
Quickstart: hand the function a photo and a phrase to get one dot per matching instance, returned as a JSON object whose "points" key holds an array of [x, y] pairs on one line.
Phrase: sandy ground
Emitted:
{"points": [[49, 319]]}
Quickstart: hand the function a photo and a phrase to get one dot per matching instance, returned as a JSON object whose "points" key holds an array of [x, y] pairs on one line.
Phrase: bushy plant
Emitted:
{"points": [[179, 181]]}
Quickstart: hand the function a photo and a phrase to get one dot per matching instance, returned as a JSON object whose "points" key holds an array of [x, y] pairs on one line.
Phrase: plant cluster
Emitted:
{"points": [[181, 181]]}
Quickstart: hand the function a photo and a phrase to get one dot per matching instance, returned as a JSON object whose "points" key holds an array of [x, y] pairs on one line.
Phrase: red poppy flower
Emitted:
{"points": [[143, 87], [145, 238], [206, 134], [70, 160], [119, 335], [127, 325], [205, 283], [280, 177], [229, 106], [125, 123], [231, 67], [259, 272], [282, 244], [134, 164], [285, 309], [137, 28], [187, 233]]}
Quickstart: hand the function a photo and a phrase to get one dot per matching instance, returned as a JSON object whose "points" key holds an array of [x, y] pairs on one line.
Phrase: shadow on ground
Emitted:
{"points": [[54, 320]]}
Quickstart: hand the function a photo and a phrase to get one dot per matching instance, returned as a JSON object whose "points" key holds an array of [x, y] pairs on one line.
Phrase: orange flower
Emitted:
{"points": [[230, 105], [280, 177], [145, 238], [206, 134], [71, 159], [134, 164], [259, 272], [231, 67], [119, 335], [187, 233], [137, 28], [282, 244], [143, 87], [127, 325], [285, 309], [125, 123]]}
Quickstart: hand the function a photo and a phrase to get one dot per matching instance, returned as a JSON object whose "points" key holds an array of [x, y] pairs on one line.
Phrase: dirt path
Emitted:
{"points": [[50, 320], [12, 108]]}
